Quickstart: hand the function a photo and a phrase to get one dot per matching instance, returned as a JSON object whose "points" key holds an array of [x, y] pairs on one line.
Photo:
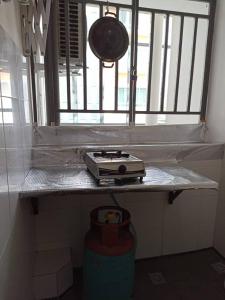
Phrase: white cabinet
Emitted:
{"points": [[147, 216], [189, 222]]}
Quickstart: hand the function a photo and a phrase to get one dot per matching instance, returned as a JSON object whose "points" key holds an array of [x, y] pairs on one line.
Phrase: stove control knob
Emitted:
{"points": [[122, 169]]}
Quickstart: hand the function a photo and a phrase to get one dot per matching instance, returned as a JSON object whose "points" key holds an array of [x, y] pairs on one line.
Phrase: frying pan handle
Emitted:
{"points": [[107, 66], [110, 13]]}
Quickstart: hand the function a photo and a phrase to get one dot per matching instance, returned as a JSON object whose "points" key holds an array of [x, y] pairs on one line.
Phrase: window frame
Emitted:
{"points": [[52, 77]]}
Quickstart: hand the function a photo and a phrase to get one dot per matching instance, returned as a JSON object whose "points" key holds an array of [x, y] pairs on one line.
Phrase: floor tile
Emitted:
{"points": [[186, 277]]}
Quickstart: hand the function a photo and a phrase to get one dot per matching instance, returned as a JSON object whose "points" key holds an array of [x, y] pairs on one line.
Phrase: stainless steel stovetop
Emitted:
{"points": [[116, 165]]}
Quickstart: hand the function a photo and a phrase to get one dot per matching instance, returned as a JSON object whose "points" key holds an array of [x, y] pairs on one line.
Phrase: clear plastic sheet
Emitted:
{"points": [[58, 167], [175, 153], [44, 181], [65, 146], [104, 135]]}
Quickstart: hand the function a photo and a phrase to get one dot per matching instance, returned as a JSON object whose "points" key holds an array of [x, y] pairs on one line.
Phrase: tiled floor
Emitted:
{"points": [[179, 277]]}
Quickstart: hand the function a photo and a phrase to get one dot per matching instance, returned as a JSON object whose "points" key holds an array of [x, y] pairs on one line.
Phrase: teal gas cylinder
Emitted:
{"points": [[108, 270]]}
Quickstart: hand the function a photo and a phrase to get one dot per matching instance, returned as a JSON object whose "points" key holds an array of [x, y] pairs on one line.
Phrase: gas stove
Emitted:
{"points": [[117, 165]]}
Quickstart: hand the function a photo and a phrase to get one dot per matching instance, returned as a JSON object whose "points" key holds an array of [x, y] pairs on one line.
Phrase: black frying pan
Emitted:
{"points": [[108, 39]]}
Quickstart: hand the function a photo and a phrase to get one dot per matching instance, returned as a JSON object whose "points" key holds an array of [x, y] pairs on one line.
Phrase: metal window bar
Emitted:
{"points": [[204, 100], [135, 21], [131, 107], [208, 60], [134, 47], [164, 64], [52, 70], [192, 64], [179, 63], [116, 85], [84, 35], [33, 87], [7, 109], [133, 64], [116, 73], [67, 54], [100, 74], [150, 60], [175, 13]]}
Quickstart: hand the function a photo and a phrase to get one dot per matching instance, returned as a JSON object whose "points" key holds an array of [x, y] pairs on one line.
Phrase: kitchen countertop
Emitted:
{"points": [[77, 180]]}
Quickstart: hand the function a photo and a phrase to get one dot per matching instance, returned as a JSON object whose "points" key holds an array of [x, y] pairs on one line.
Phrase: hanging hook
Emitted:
{"points": [[108, 12]]}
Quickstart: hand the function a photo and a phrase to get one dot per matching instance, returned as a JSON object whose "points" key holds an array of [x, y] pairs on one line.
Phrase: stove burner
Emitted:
{"points": [[111, 154], [114, 164]]}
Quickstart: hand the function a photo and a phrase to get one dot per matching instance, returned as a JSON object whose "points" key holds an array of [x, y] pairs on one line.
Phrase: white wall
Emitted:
{"points": [[16, 221], [216, 108], [216, 114], [220, 217], [10, 21]]}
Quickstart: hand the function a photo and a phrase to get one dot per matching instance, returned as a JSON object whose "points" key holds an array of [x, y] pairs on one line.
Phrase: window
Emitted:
{"points": [[169, 54], [11, 95]]}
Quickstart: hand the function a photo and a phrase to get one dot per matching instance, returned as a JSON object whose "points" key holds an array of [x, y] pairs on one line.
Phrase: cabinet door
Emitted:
{"points": [[147, 217], [189, 222]]}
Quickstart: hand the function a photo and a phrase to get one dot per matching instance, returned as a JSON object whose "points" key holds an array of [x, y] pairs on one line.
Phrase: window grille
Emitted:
{"points": [[163, 75]]}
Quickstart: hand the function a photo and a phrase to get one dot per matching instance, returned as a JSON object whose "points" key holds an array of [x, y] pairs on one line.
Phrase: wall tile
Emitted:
{"points": [[23, 78], [2, 137], [12, 125], [16, 220], [16, 264], [14, 150], [4, 200], [4, 196]]}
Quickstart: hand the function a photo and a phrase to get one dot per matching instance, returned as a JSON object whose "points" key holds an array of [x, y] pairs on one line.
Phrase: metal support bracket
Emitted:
{"points": [[173, 195], [35, 205]]}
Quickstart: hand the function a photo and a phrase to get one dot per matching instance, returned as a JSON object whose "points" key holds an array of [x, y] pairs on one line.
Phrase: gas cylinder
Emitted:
{"points": [[108, 269]]}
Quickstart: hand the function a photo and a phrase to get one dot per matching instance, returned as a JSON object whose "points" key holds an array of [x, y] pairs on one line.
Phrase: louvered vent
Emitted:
{"points": [[74, 32]]}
